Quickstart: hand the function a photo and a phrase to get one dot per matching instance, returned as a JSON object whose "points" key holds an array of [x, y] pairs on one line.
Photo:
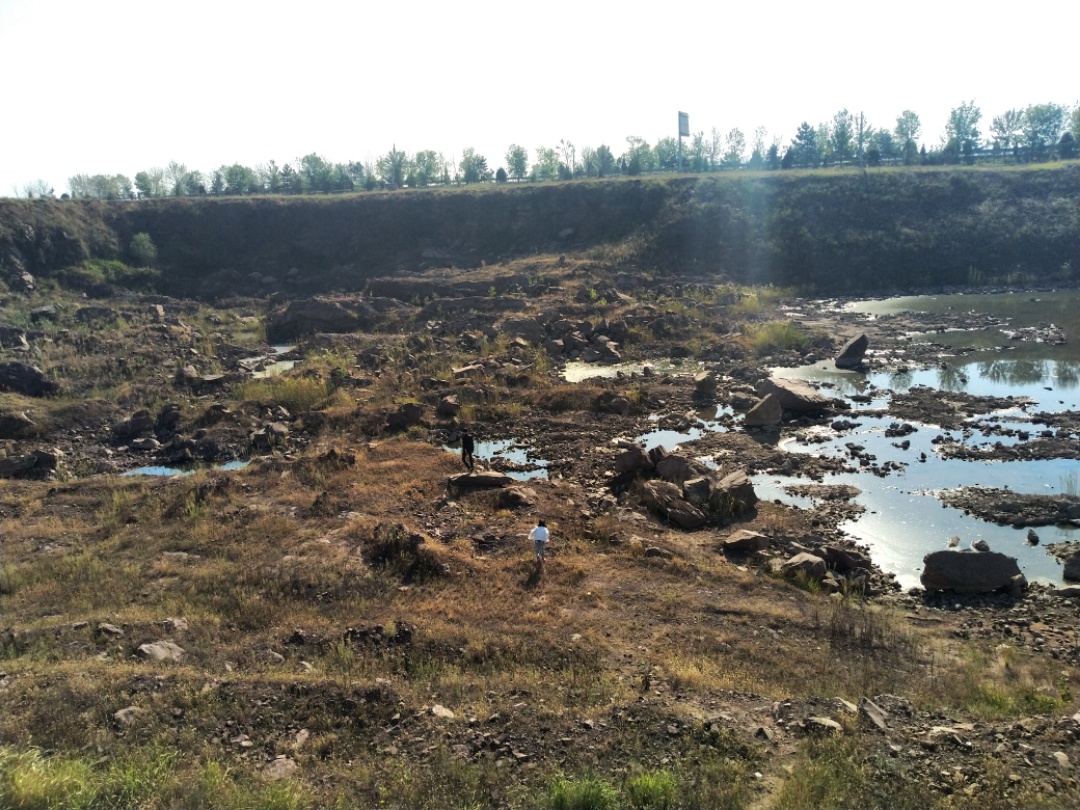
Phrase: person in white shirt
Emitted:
{"points": [[539, 535]]}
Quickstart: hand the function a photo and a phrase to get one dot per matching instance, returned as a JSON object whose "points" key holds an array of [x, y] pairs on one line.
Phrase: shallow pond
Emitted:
{"points": [[509, 450], [576, 371], [170, 472]]}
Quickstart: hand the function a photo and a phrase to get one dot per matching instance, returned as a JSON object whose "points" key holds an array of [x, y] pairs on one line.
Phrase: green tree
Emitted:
{"points": [[427, 168], [1068, 149], [908, 128], [316, 174], [1043, 125], [639, 156], [175, 179], [547, 164], [1007, 130], [604, 161], [38, 189], [1074, 123], [805, 152], [667, 154], [773, 161], [841, 136], [736, 147], [474, 168], [517, 161], [239, 180], [963, 125], [500, 175], [393, 167]]}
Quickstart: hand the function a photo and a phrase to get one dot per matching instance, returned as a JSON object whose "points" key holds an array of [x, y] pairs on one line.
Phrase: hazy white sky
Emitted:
{"points": [[118, 86]]}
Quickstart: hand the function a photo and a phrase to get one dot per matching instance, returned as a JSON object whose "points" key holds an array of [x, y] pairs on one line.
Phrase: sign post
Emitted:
{"points": [[684, 129]]}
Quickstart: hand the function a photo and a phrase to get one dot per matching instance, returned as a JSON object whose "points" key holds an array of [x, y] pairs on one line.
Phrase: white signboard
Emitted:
{"points": [[684, 125]]}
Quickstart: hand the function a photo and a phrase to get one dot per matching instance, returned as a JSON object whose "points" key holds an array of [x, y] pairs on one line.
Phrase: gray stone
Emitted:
{"points": [[734, 493], [676, 468], [1072, 568], [631, 460], [844, 560], [527, 328], [744, 541], [161, 651], [442, 712], [811, 565], [766, 413], [280, 768], [516, 498], [794, 395], [130, 716], [968, 571], [874, 714], [448, 406], [851, 356], [823, 725], [110, 630], [705, 386]]}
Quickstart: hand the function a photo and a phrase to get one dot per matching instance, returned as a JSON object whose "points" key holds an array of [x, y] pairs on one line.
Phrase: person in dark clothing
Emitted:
{"points": [[468, 445]]}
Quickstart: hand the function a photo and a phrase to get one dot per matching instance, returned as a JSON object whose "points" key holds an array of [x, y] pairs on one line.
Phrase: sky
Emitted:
{"points": [[120, 86]]}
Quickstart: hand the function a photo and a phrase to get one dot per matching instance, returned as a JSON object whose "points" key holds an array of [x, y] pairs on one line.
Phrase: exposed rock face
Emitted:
{"points": [[969, 572], [21, 378], [319, 315], [766, 413], [737, 488], [794, 395], [851, 356]]}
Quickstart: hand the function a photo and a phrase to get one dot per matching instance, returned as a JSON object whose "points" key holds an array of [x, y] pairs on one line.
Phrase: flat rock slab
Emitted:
{"points": [[480, 480]]}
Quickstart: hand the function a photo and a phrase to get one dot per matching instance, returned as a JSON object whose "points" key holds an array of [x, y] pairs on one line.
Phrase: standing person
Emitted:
{"points": [[540, 536], [468, 445]]}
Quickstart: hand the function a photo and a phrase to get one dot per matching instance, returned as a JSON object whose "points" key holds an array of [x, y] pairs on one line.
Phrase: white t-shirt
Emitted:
{"points": [[539, 534]]}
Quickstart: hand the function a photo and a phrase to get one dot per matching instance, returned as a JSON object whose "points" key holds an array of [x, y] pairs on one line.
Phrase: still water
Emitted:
{"points": [[904, 521]]}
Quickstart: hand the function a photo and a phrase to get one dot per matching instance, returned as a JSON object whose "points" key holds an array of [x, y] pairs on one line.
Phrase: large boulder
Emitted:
{"points": [[1072, 568], [309, 315], [705, 386], [744, 541], [677, 469], [794, 395], [22, 378], [969, 571], [766, 413], [809, 564], [528, 328], [734, 494], [632, 459], [851, 356]]}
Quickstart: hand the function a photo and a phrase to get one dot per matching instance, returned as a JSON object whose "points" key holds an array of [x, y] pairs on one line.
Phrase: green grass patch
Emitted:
{"points": [[296, 394], [776, 335]]}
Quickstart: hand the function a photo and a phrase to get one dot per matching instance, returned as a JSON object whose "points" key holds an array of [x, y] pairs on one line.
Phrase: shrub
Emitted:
{"points": [[142, 250]]}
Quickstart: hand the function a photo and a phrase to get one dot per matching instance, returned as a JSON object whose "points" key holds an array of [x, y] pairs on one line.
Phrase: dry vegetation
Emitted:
{"points": [[331, 596]]}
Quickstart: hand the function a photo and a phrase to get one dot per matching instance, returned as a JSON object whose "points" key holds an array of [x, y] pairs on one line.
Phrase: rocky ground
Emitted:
{"points": [[488, 355]]}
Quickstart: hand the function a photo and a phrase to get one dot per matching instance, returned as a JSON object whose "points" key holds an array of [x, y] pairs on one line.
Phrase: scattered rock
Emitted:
{"points": [[21, 378], [161, 651], [851, 356]]}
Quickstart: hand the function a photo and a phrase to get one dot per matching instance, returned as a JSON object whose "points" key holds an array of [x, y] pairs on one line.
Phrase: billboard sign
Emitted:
{"points": [[684, 125]]}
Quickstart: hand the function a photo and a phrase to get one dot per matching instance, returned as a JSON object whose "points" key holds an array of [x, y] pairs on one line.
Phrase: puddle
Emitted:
{"points": [[262, 367], [576, 371], [706, 421], [509, 450], [175, 472]]}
